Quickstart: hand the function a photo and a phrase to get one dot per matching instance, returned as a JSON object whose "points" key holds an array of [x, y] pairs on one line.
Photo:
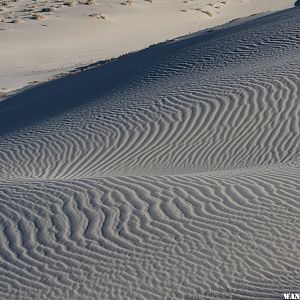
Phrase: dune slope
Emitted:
{"points": [[45, 38], [172, 173]]}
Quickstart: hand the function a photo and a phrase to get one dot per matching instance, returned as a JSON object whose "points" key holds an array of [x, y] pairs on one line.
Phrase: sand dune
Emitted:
{"points": [[210, 102], [162, 237], [45, 38], [170, 173]]}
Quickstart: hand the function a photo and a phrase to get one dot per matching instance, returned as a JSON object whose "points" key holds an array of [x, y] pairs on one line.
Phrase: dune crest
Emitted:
{"points": [[59, 36], [171, 173]]}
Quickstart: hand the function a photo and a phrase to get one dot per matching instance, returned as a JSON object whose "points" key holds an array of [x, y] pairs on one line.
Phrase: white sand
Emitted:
{"points": [[171, 173], [34, 50]]}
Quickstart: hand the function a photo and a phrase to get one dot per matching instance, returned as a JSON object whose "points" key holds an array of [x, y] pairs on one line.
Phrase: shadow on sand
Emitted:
{"points": [[60, 95], [57, 96]]}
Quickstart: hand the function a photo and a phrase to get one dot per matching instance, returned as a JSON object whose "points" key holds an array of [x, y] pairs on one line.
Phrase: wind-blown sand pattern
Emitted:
{"points": [[179, 179], [58, 36]]}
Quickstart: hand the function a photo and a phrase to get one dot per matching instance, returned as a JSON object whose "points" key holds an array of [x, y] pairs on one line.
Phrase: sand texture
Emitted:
{"points": [[43, 39], [170, 173]]}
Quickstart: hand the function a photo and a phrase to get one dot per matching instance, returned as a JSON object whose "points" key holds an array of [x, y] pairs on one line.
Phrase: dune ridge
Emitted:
{"points": [[48, 31], [190, 235], [179, 180]]}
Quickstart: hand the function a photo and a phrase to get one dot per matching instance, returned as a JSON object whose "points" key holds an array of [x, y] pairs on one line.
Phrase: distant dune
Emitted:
{"points": [[43, 39], [170, 173]]}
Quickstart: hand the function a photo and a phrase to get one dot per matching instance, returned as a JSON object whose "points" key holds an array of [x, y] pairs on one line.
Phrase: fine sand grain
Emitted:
{"points": [[170, 173], [42, 39]]}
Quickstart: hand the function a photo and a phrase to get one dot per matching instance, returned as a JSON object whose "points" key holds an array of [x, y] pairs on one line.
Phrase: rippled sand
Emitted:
{"points": [[171, 173]]}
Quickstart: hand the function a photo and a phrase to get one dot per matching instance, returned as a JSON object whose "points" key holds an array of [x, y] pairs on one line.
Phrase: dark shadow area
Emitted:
{"points": [[297, 3], [58, 96]]}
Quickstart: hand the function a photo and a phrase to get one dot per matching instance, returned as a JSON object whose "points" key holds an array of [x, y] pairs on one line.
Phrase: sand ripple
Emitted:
{"points": [[180, 181]]}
